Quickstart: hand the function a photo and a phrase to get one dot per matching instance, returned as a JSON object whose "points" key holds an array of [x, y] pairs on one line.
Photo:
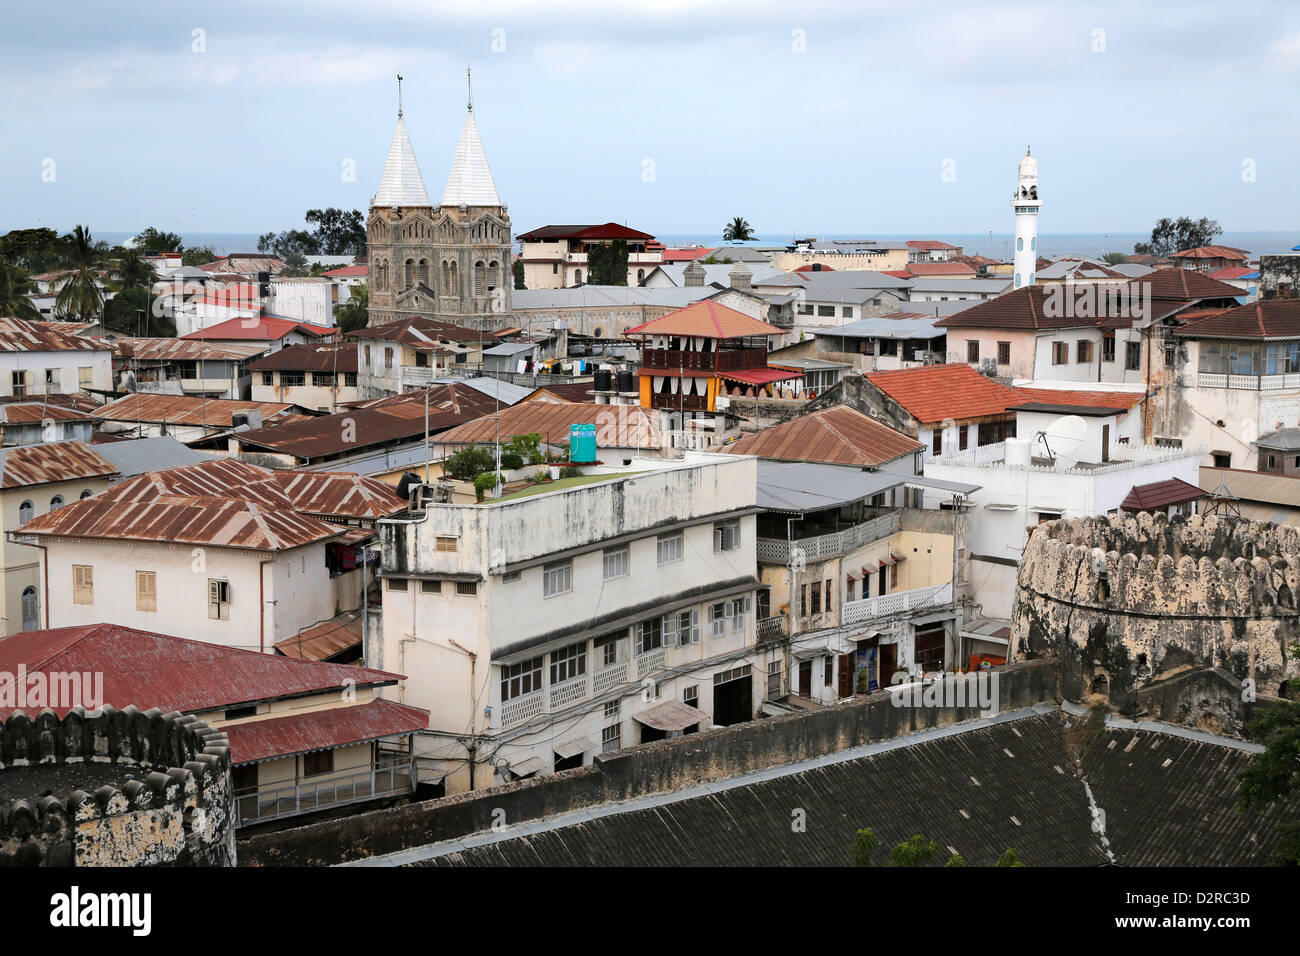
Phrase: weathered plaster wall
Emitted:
{"points": [[1128, 600]]}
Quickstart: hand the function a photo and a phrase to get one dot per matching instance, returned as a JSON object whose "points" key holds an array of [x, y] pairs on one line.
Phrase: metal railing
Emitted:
{"points": [[771, 629], [1250, 382], [887, 605], [387, 777], [777, 550]]}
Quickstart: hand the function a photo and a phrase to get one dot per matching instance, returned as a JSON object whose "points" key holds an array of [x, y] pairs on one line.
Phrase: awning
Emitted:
{"points": [[526, 766], [760, 376], [672, 716], [256, 740], [573, 747]]}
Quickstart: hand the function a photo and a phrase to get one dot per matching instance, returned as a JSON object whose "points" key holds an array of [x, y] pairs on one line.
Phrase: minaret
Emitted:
{"points": [[1025, 203]]}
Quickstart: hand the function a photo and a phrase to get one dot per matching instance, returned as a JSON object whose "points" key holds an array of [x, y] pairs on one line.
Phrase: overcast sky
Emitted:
{"points": [[670, 116]]}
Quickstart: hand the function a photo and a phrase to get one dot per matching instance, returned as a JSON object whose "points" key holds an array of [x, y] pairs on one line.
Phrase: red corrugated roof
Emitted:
{"points": [[1212, 252], [760, 376], [707, 319], [935, 393], [1231, 272], [149, 669], [685, 255], [1161, 494], [266, 327], [838, 435], [347, 272], [608, 230], [255, 740]]}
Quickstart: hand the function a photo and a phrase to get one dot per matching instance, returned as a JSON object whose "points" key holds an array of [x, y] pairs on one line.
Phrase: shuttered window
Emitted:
{"points": [[218, 600], [146, 590], [83, 584]]}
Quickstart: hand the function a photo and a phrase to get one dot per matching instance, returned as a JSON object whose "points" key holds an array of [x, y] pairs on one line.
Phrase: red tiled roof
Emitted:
{"points": [[1083, 398], [609, 230], [347, 272], [685, 255], [936, 393], [928, 244], [1212, 252], [1263, 319], [148, 669], [838, 435], [708, 319], [1160, 494], [254, 740], [1231, 272], [266, 327]]}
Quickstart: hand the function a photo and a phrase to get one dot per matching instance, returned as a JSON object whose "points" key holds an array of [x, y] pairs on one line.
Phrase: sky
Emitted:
{"points": [[806, 118]]}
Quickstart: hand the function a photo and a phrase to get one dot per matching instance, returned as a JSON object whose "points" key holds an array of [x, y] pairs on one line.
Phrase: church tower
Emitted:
{"points": [[450, 262], [1025, 202]]}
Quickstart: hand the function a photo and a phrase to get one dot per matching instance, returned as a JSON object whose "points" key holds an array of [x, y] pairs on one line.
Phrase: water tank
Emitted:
{"points": [[582, 443], [1018, 451], [626, 381], [604, 380]]}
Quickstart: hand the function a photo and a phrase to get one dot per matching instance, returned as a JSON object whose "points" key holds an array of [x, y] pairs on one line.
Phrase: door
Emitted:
{"points": [[1105, 443], [31, 610], [888, 663], [846, 676], [805, 678]]}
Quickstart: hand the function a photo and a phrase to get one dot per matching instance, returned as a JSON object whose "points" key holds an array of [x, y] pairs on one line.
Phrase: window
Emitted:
{"points": [[726, 536], [292, 379], [691, 695], [616, 563], [815, 606], [323, 378], [606, 649], [1223, 459], [1272, 462], [445, 543], [25, 511], [972, 351], [350, 379], [367, 361], [53, 380], [430, 587], [1060, 353], [738, 611], [682, 628], [893, 575], [1171, 353], [649, 635], [397, 584], [268, 378], [146, 590], [846, 312], [962, 437], [510, 577], [826, 599], [937, 442], [1045, 516], [1132, 356], [826, 310], [56, 502], [828, 670], [612, 708], [569, 662], [1083, 351], [219, 599], [611, 738], [19, 383], [467, 588], [83, 584], [85, 377], [1004, 353], [518, 680], [717, 620], [388, 357], [1108, 347], [317, 762], [236, 713], [557, 579], [670, 548]]}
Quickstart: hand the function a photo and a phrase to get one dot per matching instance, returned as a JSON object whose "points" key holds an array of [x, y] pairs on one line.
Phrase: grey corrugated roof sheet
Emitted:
{"points": [[605, 296], [805, 486], [505, 392], [1133, 270], [719, 273], [837, 279], [139, 455], [510, 348], [883, 327], [1284, 439], [945, 284]]}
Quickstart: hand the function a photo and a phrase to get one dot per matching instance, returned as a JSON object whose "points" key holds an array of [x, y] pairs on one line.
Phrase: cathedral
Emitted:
{"points": [[450, 262]]}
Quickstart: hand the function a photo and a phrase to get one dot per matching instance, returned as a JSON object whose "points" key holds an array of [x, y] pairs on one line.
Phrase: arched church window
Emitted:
{"points": [[492, 275], [424, 271], [410, 273], [455, 279], [479, 277]]}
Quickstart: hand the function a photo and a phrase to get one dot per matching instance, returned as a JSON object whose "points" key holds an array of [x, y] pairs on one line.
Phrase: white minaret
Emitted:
{"points": [[1025, 203]]}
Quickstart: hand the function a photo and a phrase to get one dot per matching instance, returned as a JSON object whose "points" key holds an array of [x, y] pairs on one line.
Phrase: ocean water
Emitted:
{"points": [[997, 245]]}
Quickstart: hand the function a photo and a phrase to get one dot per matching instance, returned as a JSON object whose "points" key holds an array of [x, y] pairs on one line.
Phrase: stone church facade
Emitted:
{"points": [[451, 261]]}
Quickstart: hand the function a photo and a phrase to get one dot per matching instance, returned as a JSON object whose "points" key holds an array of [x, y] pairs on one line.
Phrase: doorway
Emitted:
{"points": [[733, 701], [888, 663], [805, 678]]}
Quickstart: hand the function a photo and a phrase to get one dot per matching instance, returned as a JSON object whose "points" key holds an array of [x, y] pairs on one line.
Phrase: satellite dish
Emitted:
{"points": [[1062, 439]]}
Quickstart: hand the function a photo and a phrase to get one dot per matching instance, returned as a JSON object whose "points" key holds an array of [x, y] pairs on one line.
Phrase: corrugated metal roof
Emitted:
{"points": [[618, 426], [933, 393], [183, 350], [1160, 494], [803, 486], [185, 409], [262, 327], [325, 639], [149, 669], [27, 465], [19, 335], [838, 435], [213, 478], [333, 357], [707, 319], [339, 494], [135, 456], [256, 740]]}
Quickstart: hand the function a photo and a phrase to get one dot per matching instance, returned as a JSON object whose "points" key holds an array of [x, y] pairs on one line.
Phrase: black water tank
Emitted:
{"points": [[626, 381], [404, 485], [604, 380]]}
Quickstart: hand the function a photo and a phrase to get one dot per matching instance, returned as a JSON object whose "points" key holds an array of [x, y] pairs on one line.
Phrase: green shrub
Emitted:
{"points": [[511, 461], [468, 463]]}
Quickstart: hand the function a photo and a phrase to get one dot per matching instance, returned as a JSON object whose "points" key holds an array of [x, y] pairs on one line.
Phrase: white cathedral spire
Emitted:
{"points": [[470, 182], [401, 183]]}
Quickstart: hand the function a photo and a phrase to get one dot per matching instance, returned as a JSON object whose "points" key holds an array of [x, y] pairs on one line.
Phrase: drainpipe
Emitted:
{"points": [[261, 604], [472, 746], [45, 580]]}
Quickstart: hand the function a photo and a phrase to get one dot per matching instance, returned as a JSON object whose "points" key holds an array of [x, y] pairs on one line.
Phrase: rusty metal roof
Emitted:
{"points": [[218, 478], [184, 350], [324, 640], [339, 494], [418, 332], [185, 409], [19, 335], [148, 669], [28, 413], [617, 426], [215, 522], [255, 740], [27, 465], [332, 357], [838, 435]]}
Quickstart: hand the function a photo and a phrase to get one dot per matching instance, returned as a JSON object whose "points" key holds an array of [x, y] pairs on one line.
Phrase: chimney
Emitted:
{"points": [[694, 275]]}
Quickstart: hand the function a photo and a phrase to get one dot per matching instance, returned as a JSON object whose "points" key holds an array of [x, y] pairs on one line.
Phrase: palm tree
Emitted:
{"points": [[79, 296], [355, 312], [738, 230], [132, 271], [15, 285]]}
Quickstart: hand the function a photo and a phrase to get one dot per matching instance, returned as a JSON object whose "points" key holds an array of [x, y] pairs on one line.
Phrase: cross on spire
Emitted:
{"points": [[399, 96], [469, 86]]}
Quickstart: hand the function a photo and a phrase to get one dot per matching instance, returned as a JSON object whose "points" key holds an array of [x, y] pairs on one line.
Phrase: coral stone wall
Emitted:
{"points": [[1124, 600], [170, 802]]}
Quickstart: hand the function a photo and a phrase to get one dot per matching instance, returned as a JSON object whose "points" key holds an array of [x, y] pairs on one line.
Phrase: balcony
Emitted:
{"points": [[771, 630], [650, 662], [900, 602], [1263, 383], [608, 677], [568, 692], [679, 402], [522, 708], [777, 550], [389, 776], [725, 360]]}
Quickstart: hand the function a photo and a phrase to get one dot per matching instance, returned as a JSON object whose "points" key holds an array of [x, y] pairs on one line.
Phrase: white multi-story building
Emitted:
{"points": [[40, 358], [543, 629]]}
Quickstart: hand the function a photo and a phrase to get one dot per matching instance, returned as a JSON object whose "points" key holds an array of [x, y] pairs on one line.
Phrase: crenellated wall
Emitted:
{"points": [[114, 788], [1127, 600]]}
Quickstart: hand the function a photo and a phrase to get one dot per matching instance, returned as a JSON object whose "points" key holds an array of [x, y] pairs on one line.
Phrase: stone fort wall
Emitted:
{"points": [[171, 802]]}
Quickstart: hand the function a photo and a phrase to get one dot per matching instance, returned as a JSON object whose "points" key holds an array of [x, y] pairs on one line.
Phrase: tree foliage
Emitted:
{"points": [[864, 844], [518, 269], [354, 313], [914, 851], [738, 230], [1274, 773], [338, 232], [607, 263], [132, 270], [1009, 857], [157, 240], [1174, 235], [33, 250], [15, 286], [1115, 258], [468, 463], [79, 296], [198, 256]]}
